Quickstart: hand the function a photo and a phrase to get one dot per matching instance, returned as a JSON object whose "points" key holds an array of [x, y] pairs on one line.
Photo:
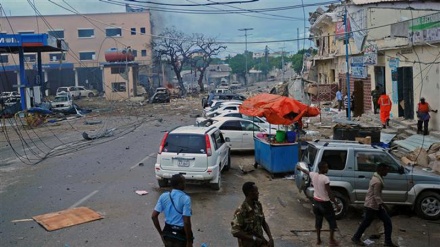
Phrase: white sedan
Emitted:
{"points": [[238, 132], [222, 109]]}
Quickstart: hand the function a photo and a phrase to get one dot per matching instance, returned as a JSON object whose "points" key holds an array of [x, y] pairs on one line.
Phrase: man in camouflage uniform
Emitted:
{"points": [[249, 221]]}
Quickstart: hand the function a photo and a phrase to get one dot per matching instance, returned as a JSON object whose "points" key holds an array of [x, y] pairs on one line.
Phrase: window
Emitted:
{"points": [[133, 31], [86, 33], [54, 57], [143, 53], [89, 55], [117, 70], [118, 87], [231, 125], [143, 30], [185, 143], [367, 161], [248, 126], [4, 59], [218, 139], [113, 32], [30, 58], [59, 34], [134, 52], [335, 159]]}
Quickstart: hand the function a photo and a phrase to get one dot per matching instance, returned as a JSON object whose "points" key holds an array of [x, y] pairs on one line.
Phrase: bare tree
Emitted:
{"points": [[207, 48], [177, 48]]}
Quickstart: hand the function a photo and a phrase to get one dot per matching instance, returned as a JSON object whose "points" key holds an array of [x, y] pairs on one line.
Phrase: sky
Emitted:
{"points": [[279, 24]]}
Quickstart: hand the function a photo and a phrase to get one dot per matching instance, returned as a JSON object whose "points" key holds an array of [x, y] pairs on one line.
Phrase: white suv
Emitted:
{"points": [[200, 154]]}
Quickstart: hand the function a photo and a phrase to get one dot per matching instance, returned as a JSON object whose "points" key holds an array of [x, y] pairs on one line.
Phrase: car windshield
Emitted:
{"points": [[185, 143], [61, 99]]}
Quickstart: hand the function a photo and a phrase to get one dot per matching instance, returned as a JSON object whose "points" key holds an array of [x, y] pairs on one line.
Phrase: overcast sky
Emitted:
{"points": [[280, 24]]}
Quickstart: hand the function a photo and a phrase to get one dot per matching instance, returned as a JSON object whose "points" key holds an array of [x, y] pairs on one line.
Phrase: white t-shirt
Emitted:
{"points": [[319, 181]]}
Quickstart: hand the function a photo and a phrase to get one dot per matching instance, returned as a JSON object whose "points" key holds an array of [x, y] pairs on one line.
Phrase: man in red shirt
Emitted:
{"points": [[385, 108], [423, 116]]}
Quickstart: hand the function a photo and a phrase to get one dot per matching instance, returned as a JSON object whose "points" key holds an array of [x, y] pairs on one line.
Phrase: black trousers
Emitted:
{"points": [[425, 126]]}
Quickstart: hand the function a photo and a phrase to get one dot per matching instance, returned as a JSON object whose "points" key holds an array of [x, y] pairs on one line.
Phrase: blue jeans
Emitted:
{"points": [[369, 215]]}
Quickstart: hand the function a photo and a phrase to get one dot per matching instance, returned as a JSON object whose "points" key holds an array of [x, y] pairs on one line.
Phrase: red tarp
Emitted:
{"points": [[277, 109]]}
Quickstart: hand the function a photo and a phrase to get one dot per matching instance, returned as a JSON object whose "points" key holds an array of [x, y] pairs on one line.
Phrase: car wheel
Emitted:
{"points": [[163, 182], [90, 95], [218, 183], [342, 201], [428, 206], [228, 166]]}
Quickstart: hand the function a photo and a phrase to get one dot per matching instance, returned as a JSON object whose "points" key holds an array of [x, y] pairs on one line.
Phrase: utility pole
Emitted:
{"points": [[282, 62], [245, 54], [346, 61], [297, 42]]}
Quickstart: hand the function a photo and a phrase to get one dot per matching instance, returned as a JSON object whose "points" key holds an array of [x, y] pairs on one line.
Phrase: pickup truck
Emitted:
{"points": [[351, 166]]}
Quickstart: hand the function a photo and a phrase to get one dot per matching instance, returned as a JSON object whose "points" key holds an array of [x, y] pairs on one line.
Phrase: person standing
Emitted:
{"points": [[375, 94], [375, 207], [339, 99], [249, 221], [176, 206], [423, 109], [385, 104], [322, 201]]}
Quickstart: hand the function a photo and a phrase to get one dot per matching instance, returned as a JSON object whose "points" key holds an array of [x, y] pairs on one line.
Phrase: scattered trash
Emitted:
{"points": [[91, 122], [21, 220], [427, 169], [66, 218], [141, 164], [368, 241], [141, 192], [107, 133], [292, 177]]}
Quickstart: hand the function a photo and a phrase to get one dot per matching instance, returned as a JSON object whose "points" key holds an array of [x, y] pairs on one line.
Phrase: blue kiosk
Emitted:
{"points": [[30, 43]]}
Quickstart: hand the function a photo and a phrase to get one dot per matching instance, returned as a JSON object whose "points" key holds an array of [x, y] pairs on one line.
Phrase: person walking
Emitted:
{"points": [[423, 109], [375, 94], [385, 104], [339, 99], [322, 201], [176, 206], [375, 207], [249, 221]]}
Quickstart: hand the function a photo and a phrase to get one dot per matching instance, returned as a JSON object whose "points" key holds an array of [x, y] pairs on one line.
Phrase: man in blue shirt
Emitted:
{"points": [[339, 99], [176, 206]]}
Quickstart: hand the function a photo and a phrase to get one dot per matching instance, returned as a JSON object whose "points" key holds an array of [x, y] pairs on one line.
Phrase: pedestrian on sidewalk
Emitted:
{"points": [[176, 206], [375, 207], [423, 109], [249, 221], [322, 201], [339, 99], [375, 94], [385, 104]]}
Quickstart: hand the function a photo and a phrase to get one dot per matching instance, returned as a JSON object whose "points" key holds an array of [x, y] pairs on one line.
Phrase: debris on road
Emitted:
{"points": [[141, 192], [66, 218]]}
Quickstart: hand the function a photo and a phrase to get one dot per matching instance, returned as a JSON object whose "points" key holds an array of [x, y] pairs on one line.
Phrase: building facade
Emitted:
{"points": [[391, 44], [89, 37]]}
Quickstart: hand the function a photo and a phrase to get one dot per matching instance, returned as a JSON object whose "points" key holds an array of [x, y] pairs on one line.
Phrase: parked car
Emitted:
{"points": [[222, 96], [351, 166], [62, 90], [235, 85], [218, 103], [222, 90], [63, 102], [80, 91], [258, 120], [222, 109], [162, 95], [238, 132], [199, 153], [8, 95]]}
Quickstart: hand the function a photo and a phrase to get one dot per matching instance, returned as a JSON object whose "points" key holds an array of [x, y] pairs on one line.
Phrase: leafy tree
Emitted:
{"points": [[298, 59], [238, 63]]}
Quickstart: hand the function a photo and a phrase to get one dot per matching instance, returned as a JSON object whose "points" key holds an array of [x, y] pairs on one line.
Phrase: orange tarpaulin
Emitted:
{"points": [[277, 109]]}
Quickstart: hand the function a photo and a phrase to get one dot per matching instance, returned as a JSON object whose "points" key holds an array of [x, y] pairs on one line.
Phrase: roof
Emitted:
{"points": [[191, 129], [12, 43], [362, 2], [341, 144]]}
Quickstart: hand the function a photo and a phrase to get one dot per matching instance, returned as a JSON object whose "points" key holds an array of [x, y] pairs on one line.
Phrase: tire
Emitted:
{"points": [[342, 201], [428, 205], [228, 166], [90, 95], [162, 182], [218, 184]]}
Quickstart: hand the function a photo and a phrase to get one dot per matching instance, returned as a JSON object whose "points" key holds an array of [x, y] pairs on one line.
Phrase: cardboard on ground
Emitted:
{"points": [[66, 218]]}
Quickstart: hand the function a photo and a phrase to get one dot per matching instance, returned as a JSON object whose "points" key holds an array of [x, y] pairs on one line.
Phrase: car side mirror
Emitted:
{"points": [[227, 139]]}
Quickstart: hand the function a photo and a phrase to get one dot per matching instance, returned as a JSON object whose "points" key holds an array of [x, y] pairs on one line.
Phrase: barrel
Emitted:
{"points": [[291, 136], [280, 136]]}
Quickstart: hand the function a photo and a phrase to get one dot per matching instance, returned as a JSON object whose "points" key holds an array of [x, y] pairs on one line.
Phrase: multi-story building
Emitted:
{"points": [[89, 37], [392, 44]]}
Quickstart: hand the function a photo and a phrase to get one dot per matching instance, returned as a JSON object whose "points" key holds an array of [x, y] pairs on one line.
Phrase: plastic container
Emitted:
{"points": [[280, 136], [291, 136]]}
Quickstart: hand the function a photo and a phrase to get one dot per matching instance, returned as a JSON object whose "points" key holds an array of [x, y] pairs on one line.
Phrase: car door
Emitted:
{"points": [[396, 186], [221, 148], [249, 129], [233, 134]]}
